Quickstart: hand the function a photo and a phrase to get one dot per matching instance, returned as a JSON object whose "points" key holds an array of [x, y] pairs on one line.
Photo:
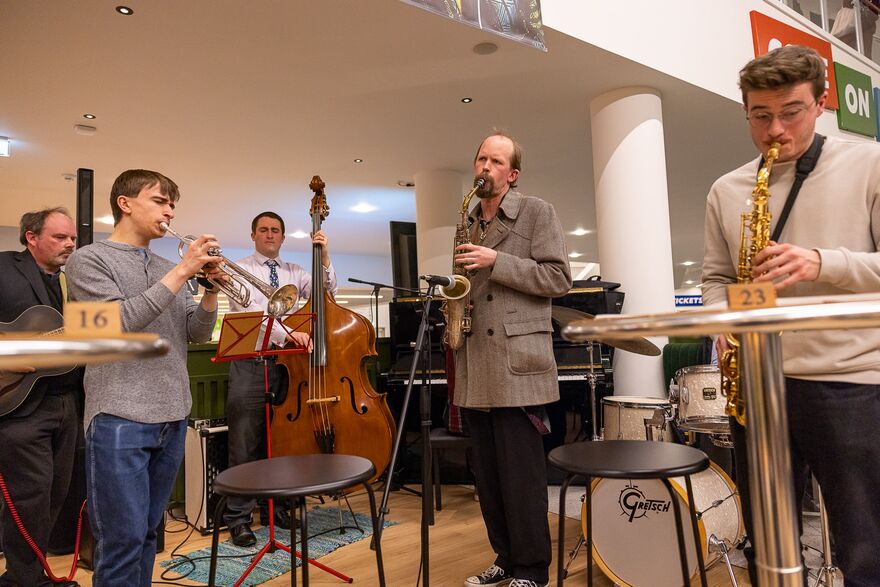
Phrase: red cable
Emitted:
{"points": [[27, 537]]}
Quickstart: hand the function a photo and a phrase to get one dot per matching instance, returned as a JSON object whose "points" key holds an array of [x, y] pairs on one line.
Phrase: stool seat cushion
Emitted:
{"points": [[628, 459], [293, 476], [443, 438]]}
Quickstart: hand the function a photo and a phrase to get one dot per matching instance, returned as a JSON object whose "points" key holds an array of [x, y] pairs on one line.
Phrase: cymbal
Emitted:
{"points": [[564, 316]]}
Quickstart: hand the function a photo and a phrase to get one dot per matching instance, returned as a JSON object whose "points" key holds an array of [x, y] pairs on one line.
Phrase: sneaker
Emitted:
{"points": [[526, 583], [494, 575]]}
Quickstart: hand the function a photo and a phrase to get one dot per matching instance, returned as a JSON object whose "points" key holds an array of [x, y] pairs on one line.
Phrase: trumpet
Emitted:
{"points": [[281, 300]]}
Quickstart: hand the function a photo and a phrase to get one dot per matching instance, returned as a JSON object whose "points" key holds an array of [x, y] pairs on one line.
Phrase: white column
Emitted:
{"points": [[438, 203], [632, 216]]}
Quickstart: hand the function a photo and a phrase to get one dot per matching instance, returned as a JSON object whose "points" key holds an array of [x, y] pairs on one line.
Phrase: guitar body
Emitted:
{"points": [[15, 387]]}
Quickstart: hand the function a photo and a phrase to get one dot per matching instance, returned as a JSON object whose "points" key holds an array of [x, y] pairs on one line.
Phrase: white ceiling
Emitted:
{"points": [[241, 102]]}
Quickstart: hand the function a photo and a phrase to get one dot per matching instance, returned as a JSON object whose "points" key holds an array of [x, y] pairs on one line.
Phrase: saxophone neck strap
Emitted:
{"points": [[805, 165]]}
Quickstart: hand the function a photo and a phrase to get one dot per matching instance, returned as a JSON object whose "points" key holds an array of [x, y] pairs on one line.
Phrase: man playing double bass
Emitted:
{"points": [[505, 371], [246, 402]]}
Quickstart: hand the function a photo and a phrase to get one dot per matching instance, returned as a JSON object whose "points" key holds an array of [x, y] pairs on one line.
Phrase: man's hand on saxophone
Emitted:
{"points": [[473, 257], [793, 263]]}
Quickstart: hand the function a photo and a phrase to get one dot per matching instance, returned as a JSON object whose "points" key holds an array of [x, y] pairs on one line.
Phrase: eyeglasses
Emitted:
{"points": [[785, 118]]}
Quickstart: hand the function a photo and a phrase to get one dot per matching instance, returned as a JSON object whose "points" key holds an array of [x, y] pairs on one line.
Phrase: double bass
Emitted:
{"points": [[331, 407]]}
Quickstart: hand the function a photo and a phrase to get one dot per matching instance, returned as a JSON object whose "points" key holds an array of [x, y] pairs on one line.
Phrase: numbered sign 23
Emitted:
{"points": [[748, 296]]}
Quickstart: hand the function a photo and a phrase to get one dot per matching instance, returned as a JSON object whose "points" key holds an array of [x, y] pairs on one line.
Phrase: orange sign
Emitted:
{"points": [[769, 34]]}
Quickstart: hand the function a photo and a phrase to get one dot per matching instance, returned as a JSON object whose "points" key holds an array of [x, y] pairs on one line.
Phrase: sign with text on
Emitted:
{"points": [[768, 34], [856, 112]]}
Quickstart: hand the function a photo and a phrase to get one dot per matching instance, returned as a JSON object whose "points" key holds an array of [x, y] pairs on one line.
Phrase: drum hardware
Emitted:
{"points": [[625, 418], [721, 547], [827, 572], [591, 379], [660, 420]]}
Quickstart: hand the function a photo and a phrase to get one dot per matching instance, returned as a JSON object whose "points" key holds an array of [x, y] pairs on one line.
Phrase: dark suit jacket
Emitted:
{"points": [[21, 287]]}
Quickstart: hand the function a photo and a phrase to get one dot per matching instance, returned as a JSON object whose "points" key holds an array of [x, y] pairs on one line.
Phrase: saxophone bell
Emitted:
{"points": [[458, 290]]}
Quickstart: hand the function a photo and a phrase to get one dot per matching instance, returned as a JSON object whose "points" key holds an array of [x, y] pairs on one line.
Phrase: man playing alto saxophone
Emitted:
{"points": [[832, 377], [505, 371]]}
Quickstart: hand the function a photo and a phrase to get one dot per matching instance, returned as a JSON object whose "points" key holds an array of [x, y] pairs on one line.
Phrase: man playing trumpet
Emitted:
{"points": [[135, 411]]}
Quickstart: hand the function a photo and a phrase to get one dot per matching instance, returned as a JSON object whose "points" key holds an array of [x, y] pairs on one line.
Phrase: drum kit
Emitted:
{"points": [[633, 528]]}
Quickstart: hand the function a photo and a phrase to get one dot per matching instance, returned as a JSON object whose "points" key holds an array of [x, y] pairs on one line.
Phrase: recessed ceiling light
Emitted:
{"points": [[467, 100], [580, 231], [84, 129], [688, 263], [4, 147], [575, 255], [358, 160], [299, 234], [90, 116], [108, 219], [71, 177], [406, 184], [124, 10], [363, 208], [689, 282], [486, 48]]}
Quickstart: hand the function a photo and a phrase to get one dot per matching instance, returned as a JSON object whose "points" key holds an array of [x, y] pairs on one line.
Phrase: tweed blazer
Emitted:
{"points": [[507, 360]]}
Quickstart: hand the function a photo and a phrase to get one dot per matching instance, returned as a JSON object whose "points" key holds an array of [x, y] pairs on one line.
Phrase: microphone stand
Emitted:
{"points": [[375, 294], [425, 403]]}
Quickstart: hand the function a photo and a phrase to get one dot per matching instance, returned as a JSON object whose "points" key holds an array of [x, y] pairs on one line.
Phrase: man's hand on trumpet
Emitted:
{"points": [[198, 255]]}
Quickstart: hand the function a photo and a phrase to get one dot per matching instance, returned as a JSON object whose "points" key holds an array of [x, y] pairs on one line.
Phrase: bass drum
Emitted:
{"points": [[634, 540]]}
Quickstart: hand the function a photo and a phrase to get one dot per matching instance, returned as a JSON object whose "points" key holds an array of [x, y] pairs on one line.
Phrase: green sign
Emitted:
{"points": [[856, 112]]}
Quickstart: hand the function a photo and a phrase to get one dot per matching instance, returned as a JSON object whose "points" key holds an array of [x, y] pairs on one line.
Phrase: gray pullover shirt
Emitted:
{"points": [[145, 390]]}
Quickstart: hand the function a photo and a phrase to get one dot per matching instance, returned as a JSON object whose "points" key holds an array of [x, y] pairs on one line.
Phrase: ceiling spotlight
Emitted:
{"points": [[688, 263], [580, 232], [4, 147], [363, 208], [575, 255], [689, 282], [299, 234], [358, 160], [90, 116], [84, 129], [124, 10], [486, 48], [70, 177], [467, 100], [406, 184]]}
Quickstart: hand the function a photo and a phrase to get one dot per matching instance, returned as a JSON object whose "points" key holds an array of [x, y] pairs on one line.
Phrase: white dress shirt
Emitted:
{"points": [[288, 273]]}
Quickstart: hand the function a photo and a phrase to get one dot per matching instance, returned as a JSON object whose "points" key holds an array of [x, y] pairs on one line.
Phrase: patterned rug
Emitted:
{"points": [[324, 538]]}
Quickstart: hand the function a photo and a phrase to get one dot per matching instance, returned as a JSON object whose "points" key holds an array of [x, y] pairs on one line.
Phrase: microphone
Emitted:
{"points": [[441, 280]]}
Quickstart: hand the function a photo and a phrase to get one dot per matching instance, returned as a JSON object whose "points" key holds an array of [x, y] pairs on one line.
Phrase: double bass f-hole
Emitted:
{"points": [[304, 384]]}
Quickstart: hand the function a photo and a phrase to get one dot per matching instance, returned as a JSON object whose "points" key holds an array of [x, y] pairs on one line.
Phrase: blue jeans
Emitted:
{"points": [[130, 471]]}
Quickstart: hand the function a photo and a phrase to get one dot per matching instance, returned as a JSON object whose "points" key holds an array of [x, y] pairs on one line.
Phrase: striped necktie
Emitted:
{"points": [[273, 272]]}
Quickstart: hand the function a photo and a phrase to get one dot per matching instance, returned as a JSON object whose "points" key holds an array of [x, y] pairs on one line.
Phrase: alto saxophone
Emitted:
{"points": [[758, 222], [457, 306]]}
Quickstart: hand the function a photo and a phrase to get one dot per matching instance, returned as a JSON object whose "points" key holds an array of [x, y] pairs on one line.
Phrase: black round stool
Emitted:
{"points": [[629, 459], [291, 479]]}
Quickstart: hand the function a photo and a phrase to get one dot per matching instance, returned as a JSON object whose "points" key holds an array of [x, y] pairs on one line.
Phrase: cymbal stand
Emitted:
{"points": [[827, 572], [592, 380], [720, 546]]}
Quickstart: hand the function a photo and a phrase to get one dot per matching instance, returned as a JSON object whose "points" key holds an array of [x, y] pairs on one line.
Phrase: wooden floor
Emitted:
{"points": [[458, 548]]}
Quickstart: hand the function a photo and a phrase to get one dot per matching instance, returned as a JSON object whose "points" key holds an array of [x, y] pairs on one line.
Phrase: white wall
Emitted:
{"points": [[702, 42]]}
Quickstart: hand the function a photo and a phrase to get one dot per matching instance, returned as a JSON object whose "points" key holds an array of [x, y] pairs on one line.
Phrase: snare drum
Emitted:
{"points": [[623, 417], [634, 540], [700, 401]]}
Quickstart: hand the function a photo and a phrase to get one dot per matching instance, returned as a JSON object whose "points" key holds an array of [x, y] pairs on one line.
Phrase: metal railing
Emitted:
{"points": [[839, 18]]}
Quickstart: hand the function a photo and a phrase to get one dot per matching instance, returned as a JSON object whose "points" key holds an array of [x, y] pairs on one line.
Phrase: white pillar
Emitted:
{"points": [[632, 217], [438, 203]]}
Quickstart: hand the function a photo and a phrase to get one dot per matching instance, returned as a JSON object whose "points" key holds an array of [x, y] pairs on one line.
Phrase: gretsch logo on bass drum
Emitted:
{"points": [[635, 505]]}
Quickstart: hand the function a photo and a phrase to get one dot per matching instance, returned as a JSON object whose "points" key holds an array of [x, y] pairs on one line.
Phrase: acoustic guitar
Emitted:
{"points": [[15, 387]]}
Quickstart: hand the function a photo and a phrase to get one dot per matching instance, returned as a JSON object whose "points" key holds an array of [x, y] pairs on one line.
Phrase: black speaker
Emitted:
{"points": [[85, 206], [404, 256], [207, 454]]}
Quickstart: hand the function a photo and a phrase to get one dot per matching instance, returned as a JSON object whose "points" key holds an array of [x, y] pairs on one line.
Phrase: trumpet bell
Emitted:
{"points": [[461, 288], [283, 300]]}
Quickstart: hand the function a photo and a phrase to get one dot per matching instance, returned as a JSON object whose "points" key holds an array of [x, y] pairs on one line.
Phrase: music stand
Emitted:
{"points": [[238, 339]]}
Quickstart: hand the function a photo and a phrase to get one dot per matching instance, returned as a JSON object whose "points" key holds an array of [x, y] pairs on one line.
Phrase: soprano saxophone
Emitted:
{"points": [[457, 306], [757, 222]]}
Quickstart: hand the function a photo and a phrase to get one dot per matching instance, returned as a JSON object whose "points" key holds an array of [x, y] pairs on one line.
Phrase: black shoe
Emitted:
{"points": [[282, 519], [242, 535]]}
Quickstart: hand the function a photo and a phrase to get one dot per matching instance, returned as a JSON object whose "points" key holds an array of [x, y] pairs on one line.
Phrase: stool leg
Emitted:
{"points": [[378, 543], [701, 564], [215, 540], [589, 500], [560, 547], [679, 531], [304, 539]]}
